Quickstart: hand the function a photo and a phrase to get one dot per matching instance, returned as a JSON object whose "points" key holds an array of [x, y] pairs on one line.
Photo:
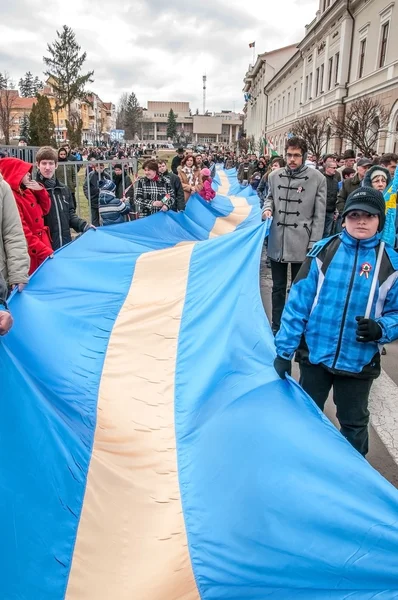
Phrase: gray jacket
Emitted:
{"points": [[298, 204], [14, 257], [3, 293]]}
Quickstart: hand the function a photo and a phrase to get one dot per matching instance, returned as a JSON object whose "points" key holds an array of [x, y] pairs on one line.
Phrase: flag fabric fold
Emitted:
{"points": [[150, 451]]}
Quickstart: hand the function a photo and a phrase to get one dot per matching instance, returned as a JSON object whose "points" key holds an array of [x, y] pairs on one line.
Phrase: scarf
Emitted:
{"points": [[49, 184], [297, 171], [190, 173]]}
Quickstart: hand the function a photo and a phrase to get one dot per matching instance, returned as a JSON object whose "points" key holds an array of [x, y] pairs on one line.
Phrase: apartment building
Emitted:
{"points": [[98, 117], [349, 51]]}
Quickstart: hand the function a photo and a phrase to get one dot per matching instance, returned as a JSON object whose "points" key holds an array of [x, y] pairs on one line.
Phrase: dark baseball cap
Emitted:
{"points": [[369, 200], [365, 162]]}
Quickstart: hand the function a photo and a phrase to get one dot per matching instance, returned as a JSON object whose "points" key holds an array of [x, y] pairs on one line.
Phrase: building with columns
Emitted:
{"points": [[349, 51], [217, 128]]}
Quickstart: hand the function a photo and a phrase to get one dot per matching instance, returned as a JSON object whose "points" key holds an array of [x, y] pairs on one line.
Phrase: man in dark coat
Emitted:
{"points": [[91, 190], [175, 184], [332, 189], [350, 185], [62, 216], [123, 183], [176, 162]]}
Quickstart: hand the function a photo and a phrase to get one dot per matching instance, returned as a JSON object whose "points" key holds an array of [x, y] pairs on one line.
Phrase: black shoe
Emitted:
{"points": [[384, 352]]}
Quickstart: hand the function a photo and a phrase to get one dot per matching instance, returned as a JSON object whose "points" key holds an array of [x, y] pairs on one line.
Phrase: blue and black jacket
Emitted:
{"points": [[330, 291]]}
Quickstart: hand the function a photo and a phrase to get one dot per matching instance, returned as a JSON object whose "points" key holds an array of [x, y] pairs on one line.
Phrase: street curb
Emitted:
{"points": [[383, 406]]}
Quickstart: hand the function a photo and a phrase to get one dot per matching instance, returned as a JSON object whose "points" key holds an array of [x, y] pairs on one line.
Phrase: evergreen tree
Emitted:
{"points": [[24, 130], [29, 86], [74, 129], [41, 123], [171, 125], [121, 111], [133, 114], [3, 82], [26, 85], [64, 68], [38, 86]]}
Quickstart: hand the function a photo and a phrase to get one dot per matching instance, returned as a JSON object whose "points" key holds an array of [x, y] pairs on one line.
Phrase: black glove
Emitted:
{"points": [[283, 366], [368, 330]]}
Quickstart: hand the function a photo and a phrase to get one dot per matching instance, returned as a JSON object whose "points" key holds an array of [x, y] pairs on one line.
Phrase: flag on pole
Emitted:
{"points": [[390, 195], [252, 45], [271, 148]]}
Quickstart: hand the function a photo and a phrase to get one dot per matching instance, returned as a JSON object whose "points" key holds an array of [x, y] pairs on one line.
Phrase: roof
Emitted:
{"points": [[17, 101]]}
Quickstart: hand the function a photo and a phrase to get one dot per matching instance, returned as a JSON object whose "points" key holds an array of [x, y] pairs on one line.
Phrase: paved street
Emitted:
{"points": [[379, 457]]}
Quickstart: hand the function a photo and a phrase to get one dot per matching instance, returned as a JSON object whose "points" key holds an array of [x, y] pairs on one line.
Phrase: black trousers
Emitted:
{"points": [[350, 396], [95, 219], [279, 286]]}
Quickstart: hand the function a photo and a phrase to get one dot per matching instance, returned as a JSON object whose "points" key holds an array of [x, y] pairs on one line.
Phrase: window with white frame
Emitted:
{"points": [[361, 60], [383, 43]]}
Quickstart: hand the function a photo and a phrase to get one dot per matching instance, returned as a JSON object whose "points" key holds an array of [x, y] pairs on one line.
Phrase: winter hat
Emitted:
{"points": [[349, 154], [378, 173], [205, 172], [365, 162], [106, 185], [368, 200]]}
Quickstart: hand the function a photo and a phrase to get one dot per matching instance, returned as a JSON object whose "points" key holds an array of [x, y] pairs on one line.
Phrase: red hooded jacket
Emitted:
{"points": [[32, 206]]}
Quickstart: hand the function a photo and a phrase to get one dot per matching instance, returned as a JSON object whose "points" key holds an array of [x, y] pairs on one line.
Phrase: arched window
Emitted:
{"points": [[392, 132], [373, 135]]}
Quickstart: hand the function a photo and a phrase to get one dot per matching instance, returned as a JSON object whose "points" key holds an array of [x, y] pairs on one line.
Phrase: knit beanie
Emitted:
{"points": [[107, 185], [378, 173], [368, 200], [205, 172]]}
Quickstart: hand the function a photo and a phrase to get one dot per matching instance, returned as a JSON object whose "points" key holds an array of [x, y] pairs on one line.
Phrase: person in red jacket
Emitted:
{"points": [[33, 204]]}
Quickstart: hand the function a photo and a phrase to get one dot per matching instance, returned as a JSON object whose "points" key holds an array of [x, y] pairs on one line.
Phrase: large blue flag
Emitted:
{"points": [[150, 451], [390, 196]]}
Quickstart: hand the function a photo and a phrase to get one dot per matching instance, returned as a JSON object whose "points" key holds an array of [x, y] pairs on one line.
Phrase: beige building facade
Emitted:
{"points": [[349, 51], [256, 78], [217, 128]]}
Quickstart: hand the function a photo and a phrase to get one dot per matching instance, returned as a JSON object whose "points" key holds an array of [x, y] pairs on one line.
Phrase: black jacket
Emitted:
{"points": [[349, 185], [175, 163], [118, 181], [94, 179], [175, 183], [332, 189], [62, 216]]}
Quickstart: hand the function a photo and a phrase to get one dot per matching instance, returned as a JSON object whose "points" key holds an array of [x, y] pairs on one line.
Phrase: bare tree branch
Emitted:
{"points": [[316, 130], [363, 120], [8, 99]]}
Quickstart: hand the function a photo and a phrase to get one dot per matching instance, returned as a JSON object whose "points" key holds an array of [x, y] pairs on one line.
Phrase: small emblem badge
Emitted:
{"points": [[299, 190], [365, 270]]}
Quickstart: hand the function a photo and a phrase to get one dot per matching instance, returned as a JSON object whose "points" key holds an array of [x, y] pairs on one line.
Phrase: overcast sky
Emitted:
{"points": [[158, 49]]}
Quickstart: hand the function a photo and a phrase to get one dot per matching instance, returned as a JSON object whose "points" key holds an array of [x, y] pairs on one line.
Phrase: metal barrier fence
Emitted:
{"points": [[76, 176], [26, 153]]}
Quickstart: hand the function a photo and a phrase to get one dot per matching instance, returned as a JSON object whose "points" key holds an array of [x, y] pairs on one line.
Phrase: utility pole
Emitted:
{"points": [[204, 94]]}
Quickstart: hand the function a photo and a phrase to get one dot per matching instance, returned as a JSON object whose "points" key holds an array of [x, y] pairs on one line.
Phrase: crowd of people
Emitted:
{"points": [[327, 215]]}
